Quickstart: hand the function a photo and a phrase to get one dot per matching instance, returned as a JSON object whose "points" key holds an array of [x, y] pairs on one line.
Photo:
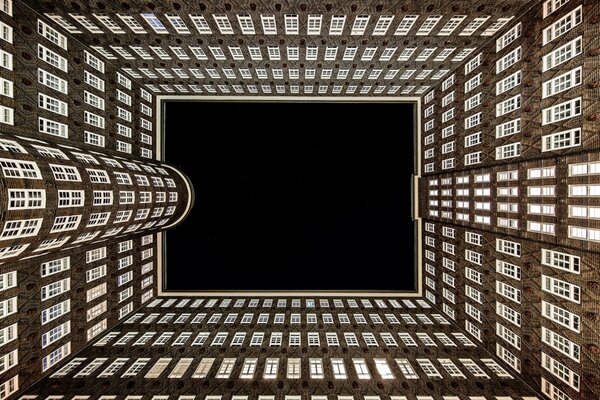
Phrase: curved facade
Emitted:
{"points": [[57, 197]]}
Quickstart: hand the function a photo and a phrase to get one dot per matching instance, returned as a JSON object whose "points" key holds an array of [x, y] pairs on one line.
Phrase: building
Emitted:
{"points": [[507, 187]]}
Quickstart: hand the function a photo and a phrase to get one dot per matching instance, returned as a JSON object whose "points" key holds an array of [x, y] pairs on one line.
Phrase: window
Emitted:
{"points": [[51, 81], [123, 130], [507, 247], [123, 216], [200, 339], [549, 7], [102, 197], [51, 34], [508, 105], [52, 243], [509, 37], [159, 367], [563, 25], [472, 64], [56, 334], [509, 336], [562, 54], [276, 339], [406, 368], [561, 316], [507, 269], [8, 307], [562, 140], [95, 254], [473, 158], [93, 61], [126, 197], [6, 115], [508, 151], [451, 369], [473, 275], [543, 209], [52, 104], [509, 82], [95, 273], [591, 168], [473, 293], [93, 81], [552, 391], [473, 238], [429, 369], [508, 128], [561, 371], [20, 228], [473, 83], [472, 102], [448, 115], [561, 288], [225, 368], [96, 292], [271, 368], [55, 266], [20, 169], [561, 261], [561, 111], [473, 120], [561, 343], [448, 163], [545, 191], [360, 366], [337, 25], [8, 280], [56, 288], [98, 176], [56, 356], [293, 368], [508, 291], [509, 60], [66, 223], [8, 334], [561, 83], [52, 58]]}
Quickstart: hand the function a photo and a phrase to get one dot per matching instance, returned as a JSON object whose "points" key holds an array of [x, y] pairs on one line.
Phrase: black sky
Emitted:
{"points": [[326, 208]]}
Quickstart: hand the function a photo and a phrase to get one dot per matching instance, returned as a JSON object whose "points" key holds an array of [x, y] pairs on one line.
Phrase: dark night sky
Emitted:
{"points": [[277, 210]]}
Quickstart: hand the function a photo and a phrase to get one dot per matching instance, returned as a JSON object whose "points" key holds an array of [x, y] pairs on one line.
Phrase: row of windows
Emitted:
{"points": [[13, 381], [283, 303], [511, 223], [30, 227], [292, 368], [513, 175], [34, 198], [68, 173], [283, 89], [291, 24], [275, 53], [282, 318], [50, 152], [279, 73], [13, 251], [351, 339]]}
